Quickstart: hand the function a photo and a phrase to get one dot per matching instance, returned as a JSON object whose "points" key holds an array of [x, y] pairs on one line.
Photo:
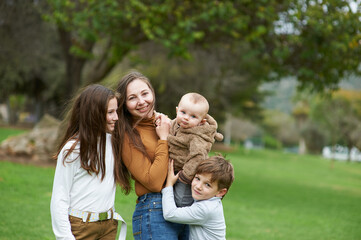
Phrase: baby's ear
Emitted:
{"points": [[221, 192], [203, 121]]}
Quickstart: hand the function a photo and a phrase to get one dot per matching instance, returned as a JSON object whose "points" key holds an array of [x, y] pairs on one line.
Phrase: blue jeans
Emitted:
{"points": [[148, 221]]}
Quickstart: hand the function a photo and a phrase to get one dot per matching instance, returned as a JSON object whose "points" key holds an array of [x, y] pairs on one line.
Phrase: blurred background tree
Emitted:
{"points": [[31, 59], [339, 117], [297, 38], [225, 50]]}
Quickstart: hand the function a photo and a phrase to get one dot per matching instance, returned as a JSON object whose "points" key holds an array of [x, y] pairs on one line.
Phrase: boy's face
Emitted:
{"points": [[203, 188], [189, 114]]}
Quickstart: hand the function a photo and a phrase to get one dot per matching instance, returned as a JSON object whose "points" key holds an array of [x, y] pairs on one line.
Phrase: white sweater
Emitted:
{"points": [[74, 188]]}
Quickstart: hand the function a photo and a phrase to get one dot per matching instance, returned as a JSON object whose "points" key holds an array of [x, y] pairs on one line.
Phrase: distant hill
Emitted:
{"points": [[283, 91]]}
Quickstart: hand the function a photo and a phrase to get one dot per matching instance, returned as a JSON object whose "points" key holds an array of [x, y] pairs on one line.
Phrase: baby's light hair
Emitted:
{"points": [[197, 98]]}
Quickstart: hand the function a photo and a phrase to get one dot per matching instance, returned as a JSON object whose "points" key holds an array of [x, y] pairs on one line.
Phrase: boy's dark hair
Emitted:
{"points": [[220, 168]]}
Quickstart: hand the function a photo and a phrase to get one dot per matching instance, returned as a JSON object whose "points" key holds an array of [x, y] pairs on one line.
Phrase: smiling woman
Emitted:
{"points": [[144, 150]]}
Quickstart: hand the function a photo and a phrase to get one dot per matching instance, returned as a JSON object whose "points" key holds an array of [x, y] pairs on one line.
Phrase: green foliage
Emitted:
{"points": [[316, 43], [338, 117], [274, 196], [271, 142], [281, 126], [228, 85], [315, 138], [31, 61], [17, 102], [290, 38], [321, 31]]}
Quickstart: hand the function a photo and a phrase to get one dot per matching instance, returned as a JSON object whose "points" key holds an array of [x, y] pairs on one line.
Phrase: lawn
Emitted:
{"points": [[275, 196], [6, 132], [287, 196]]}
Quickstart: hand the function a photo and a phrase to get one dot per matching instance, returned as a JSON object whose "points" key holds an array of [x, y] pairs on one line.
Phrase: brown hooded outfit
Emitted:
{"points": [[188, 147]]}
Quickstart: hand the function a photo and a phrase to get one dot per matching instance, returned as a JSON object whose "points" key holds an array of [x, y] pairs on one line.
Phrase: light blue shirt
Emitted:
{"points": [[205, 217]]}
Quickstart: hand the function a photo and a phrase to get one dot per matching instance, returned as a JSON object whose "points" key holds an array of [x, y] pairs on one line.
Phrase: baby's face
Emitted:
{"points": [[189, 114]]}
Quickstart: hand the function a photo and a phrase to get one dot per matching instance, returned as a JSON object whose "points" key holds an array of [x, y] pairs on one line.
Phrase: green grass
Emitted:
{"points": [[7, 132], [275, 196], [286, 196]]}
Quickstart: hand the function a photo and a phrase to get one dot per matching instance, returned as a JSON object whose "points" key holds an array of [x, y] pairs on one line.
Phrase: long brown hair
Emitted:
{"points": [[87, 125], [128, 127]]}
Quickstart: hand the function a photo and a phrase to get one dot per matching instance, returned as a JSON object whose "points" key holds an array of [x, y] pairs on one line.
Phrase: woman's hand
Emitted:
{"points": [[171, 178], [163, 127]]}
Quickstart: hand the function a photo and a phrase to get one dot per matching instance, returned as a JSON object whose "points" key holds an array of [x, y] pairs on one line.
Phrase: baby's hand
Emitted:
{"points": [[158, 117], [163, 127], [171, 178]]}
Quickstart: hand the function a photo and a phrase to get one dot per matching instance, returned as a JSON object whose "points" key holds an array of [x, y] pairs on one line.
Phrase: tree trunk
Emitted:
{"points": [[97, 69], [12, 113], [228, 129], [302, 146], [74, 64]]}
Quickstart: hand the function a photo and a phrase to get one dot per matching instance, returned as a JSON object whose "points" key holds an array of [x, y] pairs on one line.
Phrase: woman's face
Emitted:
{"points": [[139, 100]]}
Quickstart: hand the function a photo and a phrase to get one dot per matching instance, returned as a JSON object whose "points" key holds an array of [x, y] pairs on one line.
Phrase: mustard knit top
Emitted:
{"points": [[149, 173]]}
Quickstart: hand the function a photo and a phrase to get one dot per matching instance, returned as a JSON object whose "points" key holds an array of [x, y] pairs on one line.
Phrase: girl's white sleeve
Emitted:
{"points": [[60, 199]]}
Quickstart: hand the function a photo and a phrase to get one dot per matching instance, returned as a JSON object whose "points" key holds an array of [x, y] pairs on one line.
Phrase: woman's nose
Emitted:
{"points": [[141, 101]]}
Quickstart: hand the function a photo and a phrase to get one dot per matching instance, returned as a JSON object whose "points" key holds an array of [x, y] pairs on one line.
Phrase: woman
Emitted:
{"points": [[144, 151], [82, 202]]}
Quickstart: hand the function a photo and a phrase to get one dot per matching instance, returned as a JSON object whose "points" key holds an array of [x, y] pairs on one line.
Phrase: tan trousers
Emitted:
{"points": [[104, 230]]}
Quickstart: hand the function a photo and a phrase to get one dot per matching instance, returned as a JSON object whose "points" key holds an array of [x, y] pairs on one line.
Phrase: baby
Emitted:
{"points": [[191, 137]]}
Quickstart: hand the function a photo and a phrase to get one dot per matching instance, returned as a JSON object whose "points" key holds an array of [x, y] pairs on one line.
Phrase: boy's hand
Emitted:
{"points": [[171, 178]]}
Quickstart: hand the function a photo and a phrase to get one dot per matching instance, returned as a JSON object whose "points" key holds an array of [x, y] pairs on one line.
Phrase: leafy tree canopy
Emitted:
{"points": [[316, 41]]}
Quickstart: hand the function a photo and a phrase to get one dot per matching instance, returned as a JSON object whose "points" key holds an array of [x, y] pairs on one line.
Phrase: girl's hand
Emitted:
{"points": [[163, 127], [171, 178]]}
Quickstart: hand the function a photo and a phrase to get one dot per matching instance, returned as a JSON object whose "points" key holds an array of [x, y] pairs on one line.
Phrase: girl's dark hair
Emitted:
{"points": [[87, 125], [127, 126]]}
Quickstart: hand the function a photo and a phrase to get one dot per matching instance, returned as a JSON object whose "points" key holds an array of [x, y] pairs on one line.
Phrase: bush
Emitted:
{"points": [[271, 142]]}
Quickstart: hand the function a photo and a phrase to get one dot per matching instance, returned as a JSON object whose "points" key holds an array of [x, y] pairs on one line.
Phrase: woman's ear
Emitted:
{"points": [[221, 192]]}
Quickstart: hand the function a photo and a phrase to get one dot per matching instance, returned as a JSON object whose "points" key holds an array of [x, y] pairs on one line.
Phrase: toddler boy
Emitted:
{"points": [[211, 182]]}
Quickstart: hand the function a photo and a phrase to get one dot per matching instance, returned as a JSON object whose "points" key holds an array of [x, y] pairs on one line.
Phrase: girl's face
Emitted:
{"points": [[112, 115], [139, 99]]}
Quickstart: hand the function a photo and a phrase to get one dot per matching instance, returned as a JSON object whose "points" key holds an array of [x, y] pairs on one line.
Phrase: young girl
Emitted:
{"points": [[82, 203]]}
